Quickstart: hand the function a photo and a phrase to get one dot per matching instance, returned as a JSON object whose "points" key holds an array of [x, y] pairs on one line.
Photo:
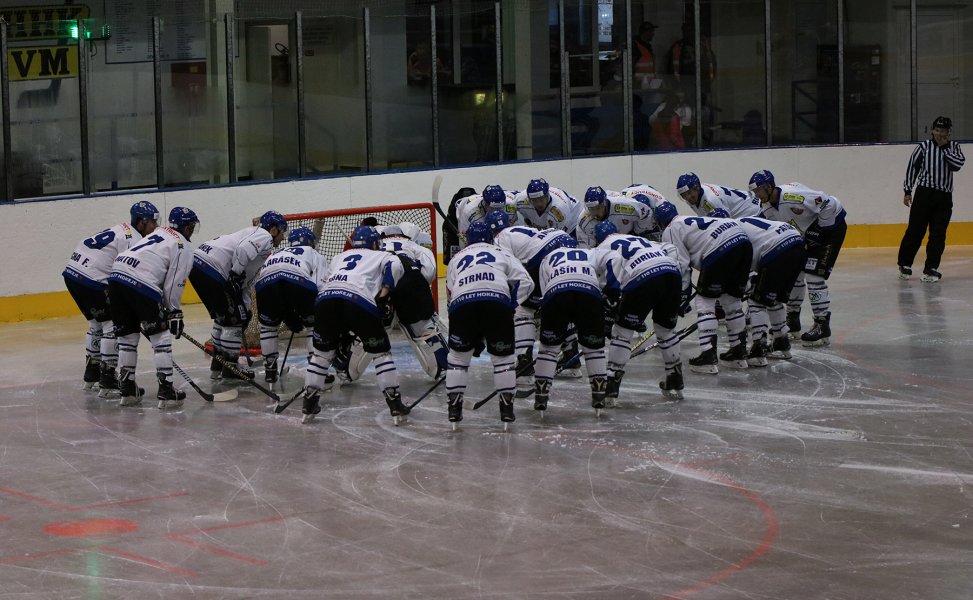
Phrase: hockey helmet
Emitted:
{"points": [[180, 217], [603, 230], [942, 123], [301, 236], [595, 197], [665, 213], [272, 218], [143, 210], [686, 182], [479, 232], [537, 188], [364, 236], [410, 230], [760, 178], [390, 231], [719, 213], [643, 198], [494, 198], [567, 241], [497, 220]]}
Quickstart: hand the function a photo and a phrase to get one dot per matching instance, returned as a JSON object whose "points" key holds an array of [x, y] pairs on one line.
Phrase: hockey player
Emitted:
{"points": [[629, 216], [286, 291], [648, 277], [704, 198], [86, 277], [484, 283], [778, 258], [145, 287], [720, 250], [571, 298], [474, 209], [821, 220], [651, 197], [357, 280], [412, 297], [223, 270], [546, 207]]}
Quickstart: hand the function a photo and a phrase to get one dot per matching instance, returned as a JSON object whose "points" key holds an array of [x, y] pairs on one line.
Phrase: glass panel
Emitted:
{"points": [[945, 67], [402, 99], [334, 93], [194, 103], [805, 71], [467, 94], [877, 93], [44, 113], [735, 86], [266, 99]]}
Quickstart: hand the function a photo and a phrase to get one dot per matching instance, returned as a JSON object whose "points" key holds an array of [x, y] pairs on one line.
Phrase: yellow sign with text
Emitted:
{"points": [[42, 62], [46, 22]]}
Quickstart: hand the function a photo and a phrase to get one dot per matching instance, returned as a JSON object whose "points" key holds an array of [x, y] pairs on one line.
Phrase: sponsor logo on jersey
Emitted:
{"points": [[624, 209], [794, 198], [557, 214], [502, 346]]}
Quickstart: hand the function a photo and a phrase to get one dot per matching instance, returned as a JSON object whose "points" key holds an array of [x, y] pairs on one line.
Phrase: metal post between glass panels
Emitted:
{"points": [[434, 84], [368, 90], [841, 71], [160, 170], [565, 89], [769, 109], [498, 43], [698, 100], [86, 186], [301, 108], [913, 67], [628, 121], [230, 101], [8, 187]]}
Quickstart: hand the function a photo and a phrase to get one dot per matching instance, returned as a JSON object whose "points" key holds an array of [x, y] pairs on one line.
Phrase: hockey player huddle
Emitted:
{"points": [[576, 279]]}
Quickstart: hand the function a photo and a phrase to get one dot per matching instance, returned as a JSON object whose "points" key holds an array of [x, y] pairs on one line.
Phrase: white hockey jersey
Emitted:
{"points": [[421, 255], [629, 216], [359, 274], [769, 239], [157, 267], [241, 252], [484, 272], [655, 196], [562, 212], [802, 207], [701, 240], [633, 260], [573, 270], [92, 259], [736, 202], [301, 265], [469, 210], [529, 246]]}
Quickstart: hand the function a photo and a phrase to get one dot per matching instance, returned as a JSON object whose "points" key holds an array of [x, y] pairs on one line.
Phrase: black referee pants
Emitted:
{"points": [[931, 209]]}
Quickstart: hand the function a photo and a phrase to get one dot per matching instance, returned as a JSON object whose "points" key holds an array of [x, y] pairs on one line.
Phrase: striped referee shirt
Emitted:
{"points": [[932, 167]]}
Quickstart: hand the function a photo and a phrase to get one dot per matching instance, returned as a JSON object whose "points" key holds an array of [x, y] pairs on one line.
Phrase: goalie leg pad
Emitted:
{"points": [[430, 348], [358, 361]]}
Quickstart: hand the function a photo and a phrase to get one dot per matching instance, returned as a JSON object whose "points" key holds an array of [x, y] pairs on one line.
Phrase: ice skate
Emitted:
{"points": [[108, 382], [905, 272], [611, 392], [131, 393], [782, 348], [394, 399], [271, 375], [507, 409], [931, 276], [705, 363], [215, 366], [672, 387], [794, 324], [454, 408], [312, 404], [820, 334], [735, 357], [599, 385], [525, 373], [92, 372], [758, 354], [169, 398], [542, 393]]}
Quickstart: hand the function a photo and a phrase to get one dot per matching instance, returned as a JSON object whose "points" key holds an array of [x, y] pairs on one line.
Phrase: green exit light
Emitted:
{"points": [[93, 29]]}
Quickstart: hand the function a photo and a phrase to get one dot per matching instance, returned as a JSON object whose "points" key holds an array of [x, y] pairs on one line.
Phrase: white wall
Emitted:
{"points": [[41, 235]]}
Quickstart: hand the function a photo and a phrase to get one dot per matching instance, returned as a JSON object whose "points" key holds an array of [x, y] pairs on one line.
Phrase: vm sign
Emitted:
{"points": [[43, 62]]}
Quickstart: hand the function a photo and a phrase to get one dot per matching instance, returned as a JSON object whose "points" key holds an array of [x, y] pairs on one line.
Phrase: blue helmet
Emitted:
{"points": [[603, 230], [497, 220], [643, 198], [143, 210], [494, 197], [302, 236], [665, 213], [719, 213], [567, 241], [272, 218], [537, 188], [364, 236], [686, 182], [595, 196], [760, 178], [479, 232], [181, 216]]}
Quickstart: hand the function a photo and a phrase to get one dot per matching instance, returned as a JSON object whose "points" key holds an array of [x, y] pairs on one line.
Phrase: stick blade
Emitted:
{"points": [[226, 396]]}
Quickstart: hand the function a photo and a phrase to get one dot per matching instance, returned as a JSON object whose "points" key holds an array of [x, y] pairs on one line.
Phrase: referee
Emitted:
{"points": [[930, 170]]}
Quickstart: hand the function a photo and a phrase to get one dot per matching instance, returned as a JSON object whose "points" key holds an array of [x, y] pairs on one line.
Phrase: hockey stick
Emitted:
{"points": [[232, 367], [427, 392], [220, 397], [283, 365], [282, 406], [435, 202], [557, 372], [681, 335]]}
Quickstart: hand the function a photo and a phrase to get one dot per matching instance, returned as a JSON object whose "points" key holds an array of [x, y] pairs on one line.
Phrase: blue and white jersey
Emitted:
{"points": [[484, 272], [156, 267], [529, 246], [629, 216], [634, 260], [562, 212], [358, 275], [699, 241], [572, 270], [92, 259], [802, 207], [242, 252], [736, 202], [769, 239], [301, 265], [421, 255], [470, 210]]}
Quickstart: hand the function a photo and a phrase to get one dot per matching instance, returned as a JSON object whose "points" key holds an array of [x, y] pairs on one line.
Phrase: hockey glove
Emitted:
{"points": [[685, 303], [294, 323], [174, 320], [815, 237]]}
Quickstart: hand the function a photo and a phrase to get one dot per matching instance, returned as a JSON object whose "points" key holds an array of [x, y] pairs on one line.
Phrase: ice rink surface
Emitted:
{"points": [[845, 473]]}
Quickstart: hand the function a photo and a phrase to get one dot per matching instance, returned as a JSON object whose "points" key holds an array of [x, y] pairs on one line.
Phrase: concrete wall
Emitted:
{"points": [[867, 180]]}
